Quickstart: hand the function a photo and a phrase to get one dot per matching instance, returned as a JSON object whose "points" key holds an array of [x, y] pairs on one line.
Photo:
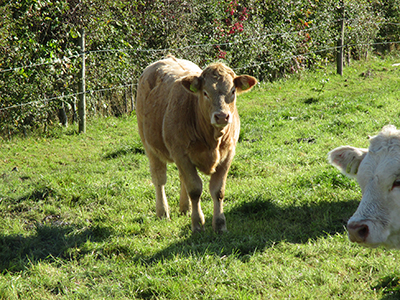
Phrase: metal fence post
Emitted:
{"points": [[82, 87], [339, 49]]}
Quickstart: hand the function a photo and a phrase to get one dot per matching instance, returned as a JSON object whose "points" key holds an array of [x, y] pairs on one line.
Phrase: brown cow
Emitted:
{"points": [[188, 116]]}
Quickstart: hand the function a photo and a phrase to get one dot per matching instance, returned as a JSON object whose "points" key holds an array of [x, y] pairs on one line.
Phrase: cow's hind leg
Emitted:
{"points": [[158, 170]]}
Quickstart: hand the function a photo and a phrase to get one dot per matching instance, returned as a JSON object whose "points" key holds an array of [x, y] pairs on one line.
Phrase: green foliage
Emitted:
{"points": [[40, 59], [389, 30], [37, 33]]}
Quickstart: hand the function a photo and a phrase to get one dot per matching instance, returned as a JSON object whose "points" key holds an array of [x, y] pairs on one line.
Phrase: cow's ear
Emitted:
{"points": [[244, 83], [192, 83], [347, 159]]}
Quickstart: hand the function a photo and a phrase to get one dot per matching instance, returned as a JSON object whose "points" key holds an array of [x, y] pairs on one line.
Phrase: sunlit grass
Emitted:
{"points": [[77, 212]]}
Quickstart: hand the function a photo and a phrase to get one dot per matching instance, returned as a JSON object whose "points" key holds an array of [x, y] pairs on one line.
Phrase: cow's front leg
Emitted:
{"points": [[217, 191], [192, 183], [184, 203], [197, 214]]}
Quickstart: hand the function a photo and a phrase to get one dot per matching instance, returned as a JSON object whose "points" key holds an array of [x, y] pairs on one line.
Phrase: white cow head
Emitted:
{"points": [[377, 169]]}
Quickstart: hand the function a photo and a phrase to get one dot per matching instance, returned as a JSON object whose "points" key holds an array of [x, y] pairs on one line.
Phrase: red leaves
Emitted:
{"points": [[234, 22], [230, 25]]}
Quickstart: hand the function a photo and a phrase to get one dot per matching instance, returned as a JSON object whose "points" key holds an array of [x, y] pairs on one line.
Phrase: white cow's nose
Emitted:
{"points": [[358, 232]]}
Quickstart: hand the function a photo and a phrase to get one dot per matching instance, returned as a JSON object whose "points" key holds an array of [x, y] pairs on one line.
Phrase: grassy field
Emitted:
{"points": [[77, 212]]}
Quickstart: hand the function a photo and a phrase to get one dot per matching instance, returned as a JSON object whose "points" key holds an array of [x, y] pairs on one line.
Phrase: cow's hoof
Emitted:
{"points": [[197, 229], [185, 212], [198, 221], [219, 225], [163, 215]]}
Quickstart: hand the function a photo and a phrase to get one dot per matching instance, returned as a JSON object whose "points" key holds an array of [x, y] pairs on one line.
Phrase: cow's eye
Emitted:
{"points": [[396, 183], [233, 91], [205, 94]]}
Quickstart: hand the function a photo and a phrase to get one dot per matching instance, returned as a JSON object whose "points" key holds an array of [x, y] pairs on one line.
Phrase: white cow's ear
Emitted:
{"points": [[347, 159], [192, 84], [244, 83]]}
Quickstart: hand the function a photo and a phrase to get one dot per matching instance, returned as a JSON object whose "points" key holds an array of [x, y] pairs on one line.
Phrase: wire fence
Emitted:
{"points": [[125, 50], [261, 37]]}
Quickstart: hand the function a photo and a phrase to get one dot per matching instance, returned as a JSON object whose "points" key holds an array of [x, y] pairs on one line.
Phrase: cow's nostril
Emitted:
{"points": [[358, 232], [363, 231]]}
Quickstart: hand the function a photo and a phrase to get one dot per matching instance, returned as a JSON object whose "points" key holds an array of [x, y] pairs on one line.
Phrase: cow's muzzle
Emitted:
{"points": [[221, 119], [358, 231]]}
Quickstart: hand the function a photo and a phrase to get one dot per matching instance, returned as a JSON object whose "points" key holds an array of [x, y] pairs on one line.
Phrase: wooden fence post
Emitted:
{"points": [[132, 99], [82, 86], [339, 49], [126, 101]]}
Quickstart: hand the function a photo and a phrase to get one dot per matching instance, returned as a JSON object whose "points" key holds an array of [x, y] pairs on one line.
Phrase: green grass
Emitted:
{"points": [[77, 212]]}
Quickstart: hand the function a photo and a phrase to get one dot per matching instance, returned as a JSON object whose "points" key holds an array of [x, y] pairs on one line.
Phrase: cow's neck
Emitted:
{"points": [[220, 132]]}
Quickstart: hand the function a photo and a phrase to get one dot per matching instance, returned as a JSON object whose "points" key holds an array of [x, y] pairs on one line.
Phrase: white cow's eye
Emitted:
{"points": [[205, 94], [396, 183]]}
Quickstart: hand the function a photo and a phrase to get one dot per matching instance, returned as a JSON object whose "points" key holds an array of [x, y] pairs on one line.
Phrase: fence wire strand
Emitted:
{"points": [[55, 61], [286, 58], [68, 96]]}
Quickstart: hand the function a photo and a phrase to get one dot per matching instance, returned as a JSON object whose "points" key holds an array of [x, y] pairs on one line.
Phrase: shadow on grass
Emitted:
{"points": [[124, 151], [390, 285], [260, 224], [49, 241]]}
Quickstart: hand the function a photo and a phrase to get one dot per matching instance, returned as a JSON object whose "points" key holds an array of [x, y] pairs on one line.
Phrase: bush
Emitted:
{"points": [[267, 39]]}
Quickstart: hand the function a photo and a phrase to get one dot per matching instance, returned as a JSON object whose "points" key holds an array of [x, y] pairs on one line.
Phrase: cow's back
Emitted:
{"points": [[155, 85]]}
